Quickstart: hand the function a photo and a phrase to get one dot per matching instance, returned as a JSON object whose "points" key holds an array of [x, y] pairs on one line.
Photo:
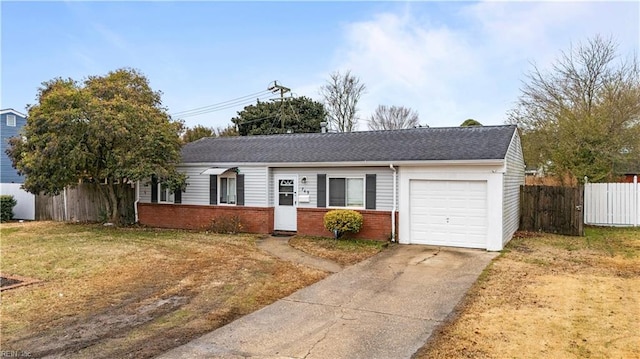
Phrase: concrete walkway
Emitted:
{"points": [[279, 247], [384, 307]]}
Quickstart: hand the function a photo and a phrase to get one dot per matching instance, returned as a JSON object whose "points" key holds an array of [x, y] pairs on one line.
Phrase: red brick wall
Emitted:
{"points": [[184, 216], [376, 225]]}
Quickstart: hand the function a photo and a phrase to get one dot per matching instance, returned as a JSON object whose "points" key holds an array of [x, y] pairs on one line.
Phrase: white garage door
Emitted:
{"points": [[449, 213]]}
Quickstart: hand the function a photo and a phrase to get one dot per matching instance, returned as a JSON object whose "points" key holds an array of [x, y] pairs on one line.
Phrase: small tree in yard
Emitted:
{"points": [[341, 221], [6, 207], [110, 130]]}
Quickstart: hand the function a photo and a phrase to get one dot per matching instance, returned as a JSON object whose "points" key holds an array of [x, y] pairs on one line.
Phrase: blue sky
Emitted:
{"points": [[447, 60]]}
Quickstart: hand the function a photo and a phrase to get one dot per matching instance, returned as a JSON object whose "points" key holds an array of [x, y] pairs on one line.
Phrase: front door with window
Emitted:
{"points": [[286, 201]]}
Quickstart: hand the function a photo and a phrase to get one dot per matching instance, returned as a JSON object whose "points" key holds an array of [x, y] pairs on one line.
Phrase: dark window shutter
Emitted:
{"points": [[240, 190], [177, 196], [213, 189], [154, 189], [371, 191], [322, 191]]}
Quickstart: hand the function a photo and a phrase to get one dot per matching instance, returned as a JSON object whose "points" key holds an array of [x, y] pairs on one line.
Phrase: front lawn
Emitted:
{"points": [[131, 292], [343, 251], [550, 296]]}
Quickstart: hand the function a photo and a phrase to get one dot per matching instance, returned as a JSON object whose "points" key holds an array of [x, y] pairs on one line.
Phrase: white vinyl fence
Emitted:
{"points": [[612, 204], [26, 206]]}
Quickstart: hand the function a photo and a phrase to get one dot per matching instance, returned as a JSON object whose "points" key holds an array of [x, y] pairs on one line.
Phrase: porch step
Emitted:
{"points": [[284, 233]]}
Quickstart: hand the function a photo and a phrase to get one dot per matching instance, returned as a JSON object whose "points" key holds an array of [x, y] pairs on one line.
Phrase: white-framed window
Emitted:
{"points": [[346, 192], [227, 189], [11, 120], [165, 195]]}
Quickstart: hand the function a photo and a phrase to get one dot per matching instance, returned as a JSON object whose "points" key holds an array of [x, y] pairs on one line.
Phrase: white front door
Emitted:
{"points": [[286, 201]]}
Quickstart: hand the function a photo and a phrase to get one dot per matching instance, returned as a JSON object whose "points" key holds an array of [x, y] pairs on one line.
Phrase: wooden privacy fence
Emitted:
{"points": [[612, 204], [83, 203], [552, 209]]}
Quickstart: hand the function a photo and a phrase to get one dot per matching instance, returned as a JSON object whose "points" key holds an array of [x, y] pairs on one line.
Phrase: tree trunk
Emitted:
{"points": [[119, 200], [125, 201], [109, 195]]}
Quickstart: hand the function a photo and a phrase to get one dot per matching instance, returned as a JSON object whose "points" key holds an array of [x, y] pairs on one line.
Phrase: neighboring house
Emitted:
{"points": [[438, 186], [11, 122]]}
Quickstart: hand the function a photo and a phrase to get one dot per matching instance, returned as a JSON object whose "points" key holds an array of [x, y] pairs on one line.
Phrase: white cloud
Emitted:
{"points": [[404, 62], [449, 72]]}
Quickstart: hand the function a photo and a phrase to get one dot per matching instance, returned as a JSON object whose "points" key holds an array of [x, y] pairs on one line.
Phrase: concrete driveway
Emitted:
{"points": [[384, 307]]}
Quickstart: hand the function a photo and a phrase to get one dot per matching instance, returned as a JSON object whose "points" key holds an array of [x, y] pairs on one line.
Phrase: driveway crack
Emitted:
{"points": [[430, 257], [326, 333]]}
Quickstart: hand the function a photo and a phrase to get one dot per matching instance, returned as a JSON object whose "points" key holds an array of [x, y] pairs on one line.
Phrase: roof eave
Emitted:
{"points": [[413, 163]]}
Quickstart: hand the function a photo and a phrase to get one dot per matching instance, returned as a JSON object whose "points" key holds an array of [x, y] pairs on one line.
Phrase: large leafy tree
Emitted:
{"points": [[341, 95], [294, 114], [393, 118], [582, 117], [111, 130]]}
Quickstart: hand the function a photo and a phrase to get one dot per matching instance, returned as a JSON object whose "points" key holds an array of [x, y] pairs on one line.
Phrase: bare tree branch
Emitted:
{"points": [[582, 117], [393, 118], [341, 94]]}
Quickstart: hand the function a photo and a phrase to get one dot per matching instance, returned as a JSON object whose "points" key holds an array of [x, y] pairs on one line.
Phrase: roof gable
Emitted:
{"points": [[10, 110], [418, 144]]}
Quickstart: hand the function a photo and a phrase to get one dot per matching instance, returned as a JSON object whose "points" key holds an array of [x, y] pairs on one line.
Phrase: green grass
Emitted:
{"points": [[610, 240], [342, 251], [352, 245]]}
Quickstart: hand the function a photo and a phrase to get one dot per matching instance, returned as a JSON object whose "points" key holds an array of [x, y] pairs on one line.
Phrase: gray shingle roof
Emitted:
{"points": [[451, 143]]}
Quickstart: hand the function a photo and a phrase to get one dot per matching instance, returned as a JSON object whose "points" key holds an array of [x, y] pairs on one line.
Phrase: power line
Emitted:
{"points": [[224, 104], [227, 106], [264, 95], [241, 98]]}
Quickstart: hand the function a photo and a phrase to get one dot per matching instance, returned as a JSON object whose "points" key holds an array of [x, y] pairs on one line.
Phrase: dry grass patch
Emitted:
{"points": [[342, 251], [131, 292], [554, 297]]}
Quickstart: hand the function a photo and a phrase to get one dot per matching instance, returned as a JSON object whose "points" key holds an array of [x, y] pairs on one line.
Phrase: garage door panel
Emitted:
{"points": [[449, 213]]}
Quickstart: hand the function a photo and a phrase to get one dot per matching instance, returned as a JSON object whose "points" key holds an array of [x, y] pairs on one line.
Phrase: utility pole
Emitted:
{"points": [[283, 90]]}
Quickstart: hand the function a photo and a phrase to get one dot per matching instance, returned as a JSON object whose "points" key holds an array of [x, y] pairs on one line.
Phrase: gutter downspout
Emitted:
{"points": [[135, 204], [393, 208], [637, 193]]}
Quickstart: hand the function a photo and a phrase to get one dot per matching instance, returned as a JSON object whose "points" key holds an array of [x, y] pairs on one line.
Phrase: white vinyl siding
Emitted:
{"points": [[384, 182], [197, 191], [255, 186], [145, 191], [512, 180]]}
